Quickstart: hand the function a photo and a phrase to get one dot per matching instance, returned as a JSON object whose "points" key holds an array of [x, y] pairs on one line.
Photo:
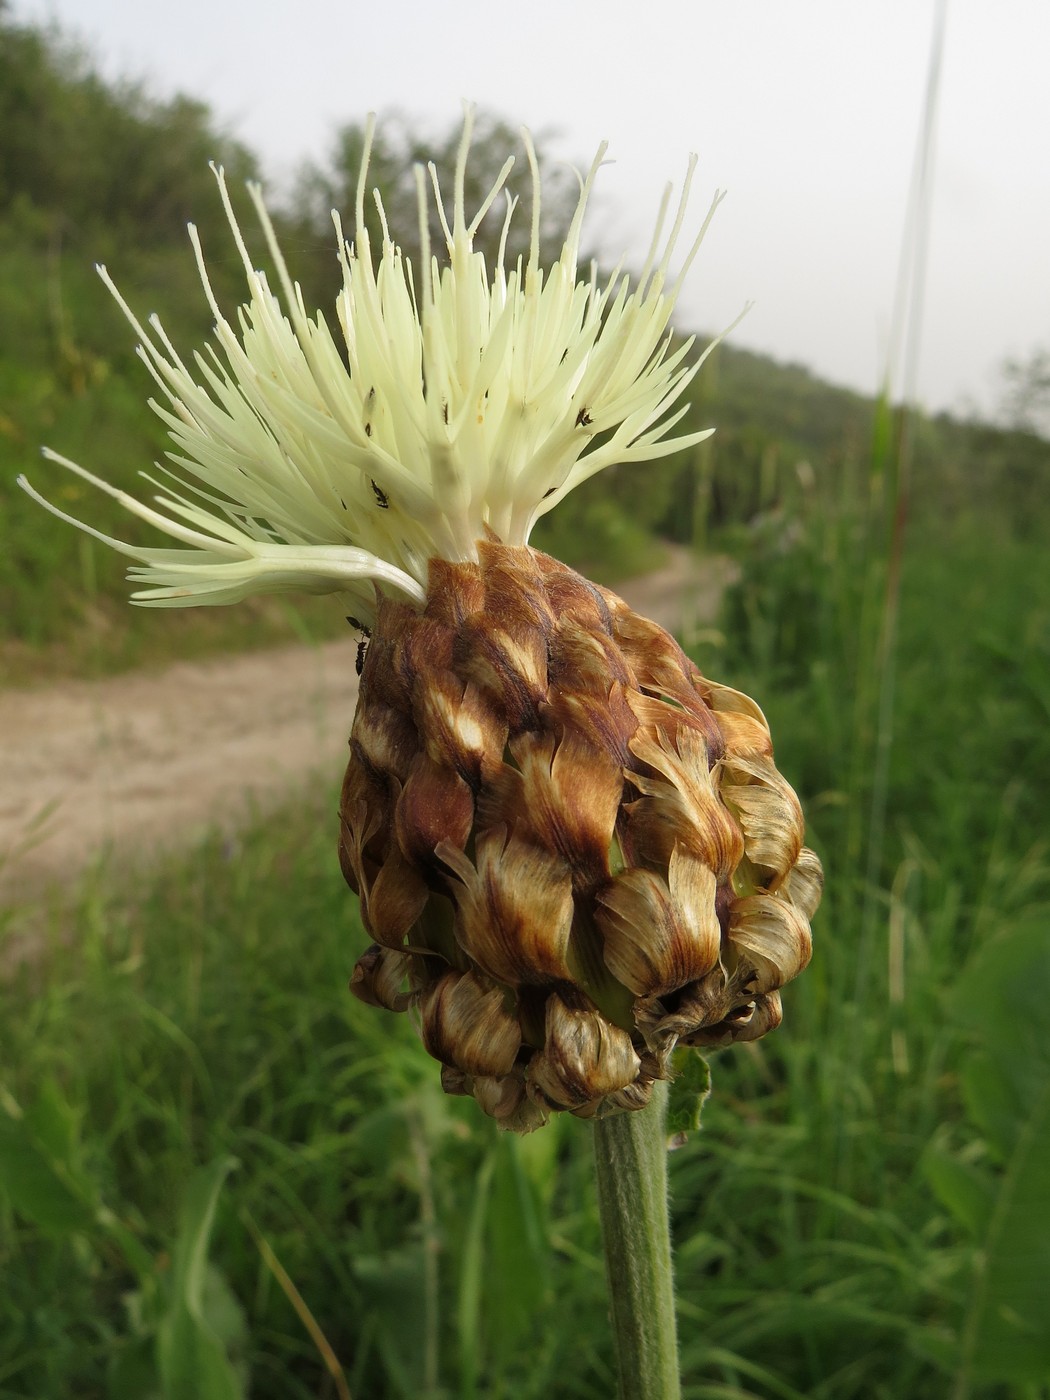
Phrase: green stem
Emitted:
{"points": [[630, 1154]]}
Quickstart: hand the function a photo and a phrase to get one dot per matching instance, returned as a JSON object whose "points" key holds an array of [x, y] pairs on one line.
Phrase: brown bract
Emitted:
{"points": [[572, 850]]}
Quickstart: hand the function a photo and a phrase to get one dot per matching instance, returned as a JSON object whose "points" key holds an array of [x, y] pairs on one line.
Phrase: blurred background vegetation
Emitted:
{"points": [[209, 1151]]}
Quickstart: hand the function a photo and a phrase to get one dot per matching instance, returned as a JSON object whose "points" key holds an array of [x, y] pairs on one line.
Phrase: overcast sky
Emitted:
{"points": [[806, 111]]}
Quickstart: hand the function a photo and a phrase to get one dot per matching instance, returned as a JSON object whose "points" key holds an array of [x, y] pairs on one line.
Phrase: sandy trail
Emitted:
{"points": [[130, 767]]}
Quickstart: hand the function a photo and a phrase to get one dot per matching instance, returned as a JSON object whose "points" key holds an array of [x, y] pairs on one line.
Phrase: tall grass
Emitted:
{"points": [[208, 1149], [203, 1015], [209, 1017], [870, 1064]]}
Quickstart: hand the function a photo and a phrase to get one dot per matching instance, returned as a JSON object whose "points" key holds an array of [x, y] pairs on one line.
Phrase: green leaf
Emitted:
{"points": [[518, 1259], [132, 1370], [192, 1339], [689, 1088], [964, 1190], [54, 1123], [1007, 1336], [1001, 998], [43, 1180], [999, 989], [471, 1275], [992, 1098], [38, 1186], [395, 1283]]}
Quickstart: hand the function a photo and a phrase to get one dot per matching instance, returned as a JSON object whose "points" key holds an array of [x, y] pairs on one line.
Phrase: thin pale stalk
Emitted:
{"points": [[630, 1153], [431, 1250]]}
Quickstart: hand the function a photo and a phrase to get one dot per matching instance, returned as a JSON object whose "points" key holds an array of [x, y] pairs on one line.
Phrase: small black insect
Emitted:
{"points": [[583, 418], [549, 492], [368, 433], [381, 497], [362, 645]]}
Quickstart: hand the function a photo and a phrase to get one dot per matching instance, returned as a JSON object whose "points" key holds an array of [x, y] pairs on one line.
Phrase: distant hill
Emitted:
{"points": [[89, 171]]}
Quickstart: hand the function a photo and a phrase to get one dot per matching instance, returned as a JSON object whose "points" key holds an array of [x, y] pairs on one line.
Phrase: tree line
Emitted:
{"points": [[98, 171]]}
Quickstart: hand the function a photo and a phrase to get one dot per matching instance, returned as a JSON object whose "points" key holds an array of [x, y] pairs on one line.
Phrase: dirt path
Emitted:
{"points": [[147, 762]]}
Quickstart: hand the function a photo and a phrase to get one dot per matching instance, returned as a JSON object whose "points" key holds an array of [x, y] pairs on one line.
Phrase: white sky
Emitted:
{"points": [[807, 111]]}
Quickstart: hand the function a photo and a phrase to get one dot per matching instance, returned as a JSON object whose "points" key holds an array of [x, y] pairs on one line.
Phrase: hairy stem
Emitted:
{"points": [[630, 1152]]}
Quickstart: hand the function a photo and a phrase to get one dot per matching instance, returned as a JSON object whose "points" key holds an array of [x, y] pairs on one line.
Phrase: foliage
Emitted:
{"points": [[928, 667], [418, 1241], [995, 1184], [89, 171], [864, 1211], [203, 1015], [1026, 400], [80, 159]]}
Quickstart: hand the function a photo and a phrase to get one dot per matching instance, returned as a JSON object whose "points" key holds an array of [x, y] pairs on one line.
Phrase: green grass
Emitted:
{"points": [[825, 1244], [208, 1015], [184, 1077]]}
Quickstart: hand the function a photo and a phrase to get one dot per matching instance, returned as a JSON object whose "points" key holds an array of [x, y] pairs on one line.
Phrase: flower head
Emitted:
{"points": [[452, 402], [573, 852]]}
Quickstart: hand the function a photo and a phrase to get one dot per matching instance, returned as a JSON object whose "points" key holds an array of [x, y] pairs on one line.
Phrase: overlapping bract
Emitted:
{"points": [[572, 850]]}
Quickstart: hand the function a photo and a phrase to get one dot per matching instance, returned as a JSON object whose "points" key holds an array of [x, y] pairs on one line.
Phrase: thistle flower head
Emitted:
{"points": [[573, 852], [448, 403]]}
